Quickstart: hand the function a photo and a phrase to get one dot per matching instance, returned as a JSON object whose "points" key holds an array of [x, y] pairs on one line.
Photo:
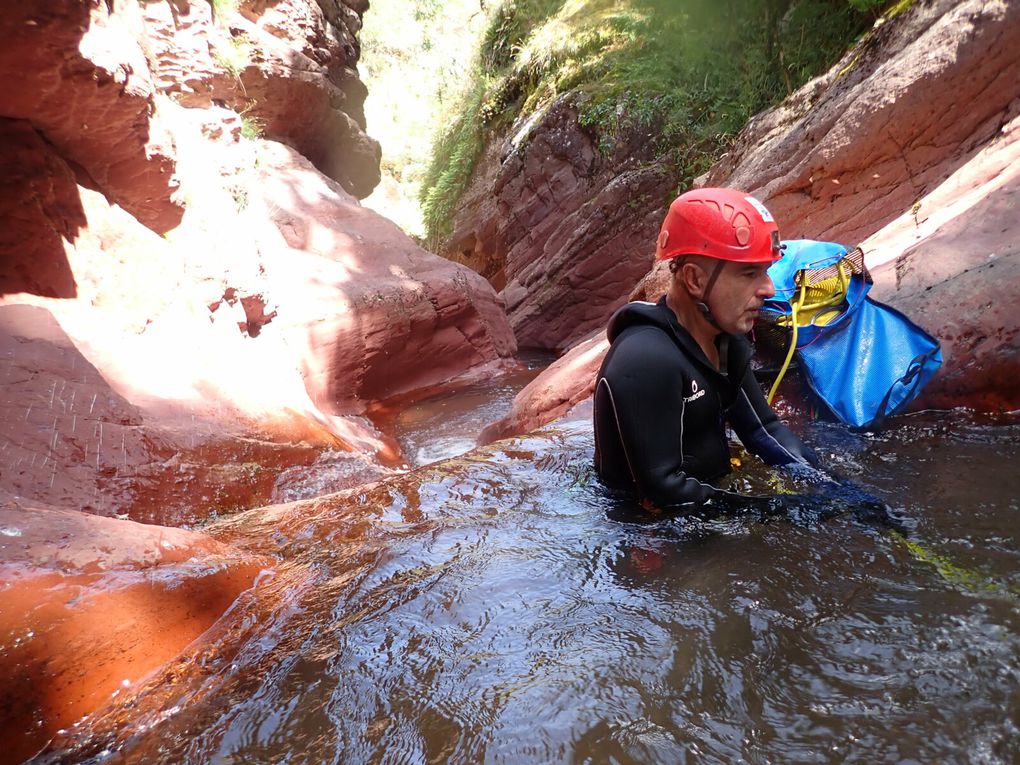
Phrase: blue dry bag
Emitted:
{"points": [[865, 360]]}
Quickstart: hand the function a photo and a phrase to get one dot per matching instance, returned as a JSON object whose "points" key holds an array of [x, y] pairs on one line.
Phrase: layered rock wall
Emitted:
{"points": [[560, 227], [916, 100], [273, 310], [908, 148]]}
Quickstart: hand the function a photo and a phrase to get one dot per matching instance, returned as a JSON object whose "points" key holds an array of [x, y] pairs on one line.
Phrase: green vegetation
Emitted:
{"points": [[252, 128], [966, 580], [235, 56], [692, 71], [223, 8]]}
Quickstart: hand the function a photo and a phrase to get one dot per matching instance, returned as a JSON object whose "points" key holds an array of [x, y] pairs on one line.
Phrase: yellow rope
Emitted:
{"points": [[794, 310], [827, 297]]}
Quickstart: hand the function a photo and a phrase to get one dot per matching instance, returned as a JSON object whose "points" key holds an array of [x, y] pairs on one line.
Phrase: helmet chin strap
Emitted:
{"points": [[702, 304]]}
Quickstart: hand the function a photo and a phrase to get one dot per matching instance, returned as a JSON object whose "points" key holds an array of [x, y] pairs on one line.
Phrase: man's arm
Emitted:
{"points": [[760, 430]]}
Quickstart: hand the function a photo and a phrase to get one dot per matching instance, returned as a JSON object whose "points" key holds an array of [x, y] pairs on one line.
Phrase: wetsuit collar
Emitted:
{"points": [[734, 353]]}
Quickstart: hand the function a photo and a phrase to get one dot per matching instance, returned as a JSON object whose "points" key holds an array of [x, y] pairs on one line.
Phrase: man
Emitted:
{"points": [[678, 370]]}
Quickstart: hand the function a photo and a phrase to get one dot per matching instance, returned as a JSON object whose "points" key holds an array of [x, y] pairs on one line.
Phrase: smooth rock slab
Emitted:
{"points": [[90, 606]]}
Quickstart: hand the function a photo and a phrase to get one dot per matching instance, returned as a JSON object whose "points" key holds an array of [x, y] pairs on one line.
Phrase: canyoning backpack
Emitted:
{"points": [[864, 360]]}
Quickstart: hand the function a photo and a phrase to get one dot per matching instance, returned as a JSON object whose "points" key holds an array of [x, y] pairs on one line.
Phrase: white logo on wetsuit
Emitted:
{"points": [[696, 393]]}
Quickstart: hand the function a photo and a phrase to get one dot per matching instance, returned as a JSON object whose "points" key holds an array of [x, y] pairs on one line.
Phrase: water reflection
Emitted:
{"points": [[497, 607]]}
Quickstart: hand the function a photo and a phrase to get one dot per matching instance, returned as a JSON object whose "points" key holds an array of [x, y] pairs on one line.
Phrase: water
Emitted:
{"points": [[447, 424], [500, 607]]}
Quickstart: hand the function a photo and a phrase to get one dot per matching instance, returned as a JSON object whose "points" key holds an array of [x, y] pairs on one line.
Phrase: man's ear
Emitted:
{"points": [[693, 277]]}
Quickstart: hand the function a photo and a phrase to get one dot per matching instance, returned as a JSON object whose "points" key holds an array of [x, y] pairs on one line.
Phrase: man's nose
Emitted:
{"points": [[766, 289]]}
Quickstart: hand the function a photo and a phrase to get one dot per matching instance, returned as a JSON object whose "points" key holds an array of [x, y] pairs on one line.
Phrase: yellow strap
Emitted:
{"points": [[832, 293], [794, 310]]}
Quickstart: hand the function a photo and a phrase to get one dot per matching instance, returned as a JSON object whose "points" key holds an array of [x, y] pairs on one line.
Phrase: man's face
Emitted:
{"points": [[738, 293]]}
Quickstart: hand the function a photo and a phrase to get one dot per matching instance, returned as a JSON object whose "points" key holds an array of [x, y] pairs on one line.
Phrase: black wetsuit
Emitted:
{"points": [[661, 409]]}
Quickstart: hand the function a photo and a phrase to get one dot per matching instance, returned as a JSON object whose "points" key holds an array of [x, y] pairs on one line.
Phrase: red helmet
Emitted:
{"points": [[720, 223]]}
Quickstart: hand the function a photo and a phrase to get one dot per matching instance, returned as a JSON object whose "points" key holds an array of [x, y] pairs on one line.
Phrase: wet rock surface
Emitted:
{"points": [[567, 382], [91, 606], [71, 440]]}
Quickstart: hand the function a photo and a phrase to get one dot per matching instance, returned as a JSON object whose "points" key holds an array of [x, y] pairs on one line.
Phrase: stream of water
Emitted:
{"points": [[499, 607]]}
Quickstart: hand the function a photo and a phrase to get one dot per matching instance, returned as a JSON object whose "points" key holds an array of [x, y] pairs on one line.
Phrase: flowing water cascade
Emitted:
{"points": [[499, 606]]}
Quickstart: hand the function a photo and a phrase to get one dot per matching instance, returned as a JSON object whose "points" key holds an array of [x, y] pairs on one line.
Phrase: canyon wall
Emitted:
{"points": [[192, 301], [560, 227], [907, 147], [184, 255]]}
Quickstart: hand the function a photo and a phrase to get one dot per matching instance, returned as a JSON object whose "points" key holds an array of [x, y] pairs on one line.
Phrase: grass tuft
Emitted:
{"points": [[222, 9], [234, 57], [252, 128]]}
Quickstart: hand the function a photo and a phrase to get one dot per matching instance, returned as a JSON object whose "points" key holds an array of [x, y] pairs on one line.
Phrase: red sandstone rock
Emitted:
{"points": [[174, 378], [653, 285], [564, 384], [565, 231], [367, 306], [77, 74], [40, 209], [288, 67], [69, 439], [858, 146], [952, 265], [90, 606]]}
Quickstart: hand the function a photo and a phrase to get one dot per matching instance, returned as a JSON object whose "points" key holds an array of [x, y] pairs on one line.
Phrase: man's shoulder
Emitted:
{"points": [[645, 347], [638, 313]]}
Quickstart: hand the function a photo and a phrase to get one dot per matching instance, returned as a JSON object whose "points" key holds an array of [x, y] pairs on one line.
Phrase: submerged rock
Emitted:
{"points": [[564, 384]]}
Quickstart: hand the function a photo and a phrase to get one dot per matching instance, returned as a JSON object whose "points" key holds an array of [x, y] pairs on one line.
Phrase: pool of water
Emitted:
{"points": [[501, 607], [447, 424]]}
